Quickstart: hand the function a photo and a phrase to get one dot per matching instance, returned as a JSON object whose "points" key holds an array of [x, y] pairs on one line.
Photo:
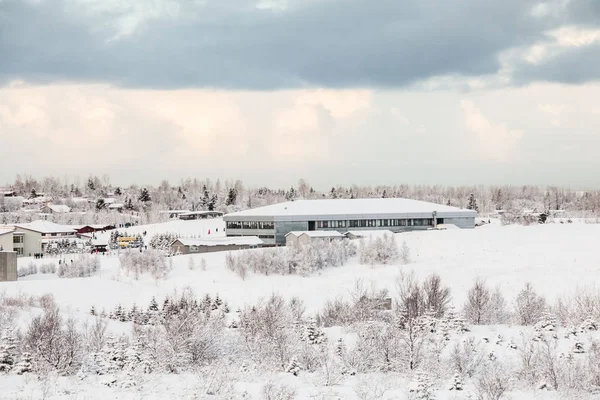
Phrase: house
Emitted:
{"points": [[37, 235], [272, 223], [8, 193], [353, 235], [301, 238], [55, 209], [196, 246], [173, 213], [200, 215], [6, 238], [116, 207], [8, 266]]}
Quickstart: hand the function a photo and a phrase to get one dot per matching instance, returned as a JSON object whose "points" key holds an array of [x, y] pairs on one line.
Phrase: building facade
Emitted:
{"points": [[37, 235], [273, 223], [8, 266], [199, 246]]}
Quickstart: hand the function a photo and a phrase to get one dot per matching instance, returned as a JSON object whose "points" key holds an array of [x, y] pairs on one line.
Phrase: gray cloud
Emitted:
{"points": [[328, 43]]}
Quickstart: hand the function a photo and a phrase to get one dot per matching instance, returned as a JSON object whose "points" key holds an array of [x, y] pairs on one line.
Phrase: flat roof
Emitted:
{"points": [[316, 234], [350, 209], [222, 241]]}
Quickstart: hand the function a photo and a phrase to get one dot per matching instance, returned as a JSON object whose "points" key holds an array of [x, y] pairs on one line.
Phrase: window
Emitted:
{"points": [[266, 236], [234, 225], [54, 234], [18, 239], [19, 251]]}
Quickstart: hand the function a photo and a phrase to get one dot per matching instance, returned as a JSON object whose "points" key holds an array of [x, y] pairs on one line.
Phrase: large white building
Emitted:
{"points": [[38, 234], [272, 223]]}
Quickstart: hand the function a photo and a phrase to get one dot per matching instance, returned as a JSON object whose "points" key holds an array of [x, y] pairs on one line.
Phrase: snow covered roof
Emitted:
{"points": [[371, 233], [200, 212], [4, 231], [116, 205], [59, 208], [351, 209], [223, 241], [317, 234], [45, 227]]}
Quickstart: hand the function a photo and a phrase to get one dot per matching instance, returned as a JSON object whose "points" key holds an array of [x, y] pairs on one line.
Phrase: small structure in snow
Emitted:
{"points": [[196, 246], [301, 238], [352, 235], [8, 266], [186, 216]]}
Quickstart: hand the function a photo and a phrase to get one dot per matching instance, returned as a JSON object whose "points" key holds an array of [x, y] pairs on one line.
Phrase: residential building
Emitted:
{"points": [[55, 209], [196, 246], [38, 234], [200, 215], [6, 238], [272, 223]]}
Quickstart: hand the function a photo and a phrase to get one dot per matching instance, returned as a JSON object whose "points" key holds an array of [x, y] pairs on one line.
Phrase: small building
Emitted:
{"points": [[173, 213], [200, 215], [55, 209], [116, 207], [296, 238], [8, 193], [353, 235], [198, 246], [83, 229], [8, 266]]}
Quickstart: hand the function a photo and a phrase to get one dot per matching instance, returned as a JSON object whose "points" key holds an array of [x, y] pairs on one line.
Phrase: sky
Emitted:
{"points": [[451, 92]]}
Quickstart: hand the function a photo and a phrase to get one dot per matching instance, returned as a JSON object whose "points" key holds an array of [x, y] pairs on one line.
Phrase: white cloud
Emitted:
{"points": [[493, 141]]}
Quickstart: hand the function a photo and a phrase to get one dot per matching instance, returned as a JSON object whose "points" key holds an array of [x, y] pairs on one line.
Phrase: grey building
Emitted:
{"points": [[196, 246], [8, 266], [272, 223]]}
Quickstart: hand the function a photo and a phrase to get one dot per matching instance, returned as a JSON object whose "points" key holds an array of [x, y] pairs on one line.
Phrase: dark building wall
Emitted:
{"points": [[207, 249], [8, 266]]}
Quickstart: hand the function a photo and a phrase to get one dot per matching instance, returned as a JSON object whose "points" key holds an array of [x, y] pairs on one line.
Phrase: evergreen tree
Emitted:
{"points": [[312, 334], [90, 184], [293, 367], [25, 364], [93, 311], [231, 197], [33, 194], [118, 191], [225, 307], [384, 195], [472, 203], [153, 307], [8, 349], [340, 347], [144, 195], [100, 204]]}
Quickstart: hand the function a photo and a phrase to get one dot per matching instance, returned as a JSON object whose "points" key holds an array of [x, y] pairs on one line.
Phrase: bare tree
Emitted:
{"points": [[492, 383], [529, 306], [436, 296], [54, 341], [478, 299]]}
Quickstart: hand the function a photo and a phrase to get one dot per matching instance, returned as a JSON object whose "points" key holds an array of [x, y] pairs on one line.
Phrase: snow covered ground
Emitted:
{"points": [[556, 258]]}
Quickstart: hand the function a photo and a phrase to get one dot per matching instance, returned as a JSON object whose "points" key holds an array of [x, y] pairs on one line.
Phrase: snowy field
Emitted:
{"points": [[558, 259]]}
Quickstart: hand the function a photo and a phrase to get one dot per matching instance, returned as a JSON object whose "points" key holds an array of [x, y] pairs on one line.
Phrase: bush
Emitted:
{"points": [[381, 250], [302, 260], [529, 306], [83, 267], [153, 262]]}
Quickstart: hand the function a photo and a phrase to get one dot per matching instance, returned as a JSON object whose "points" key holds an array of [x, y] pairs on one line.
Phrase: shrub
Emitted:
{"points": [[84, 266]]}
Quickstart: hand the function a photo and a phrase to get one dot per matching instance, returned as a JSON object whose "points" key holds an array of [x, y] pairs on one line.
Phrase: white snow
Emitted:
{"points": [[43, 226], [223, 241]]}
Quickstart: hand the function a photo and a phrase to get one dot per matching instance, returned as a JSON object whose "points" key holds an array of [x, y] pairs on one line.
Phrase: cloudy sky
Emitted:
{"points": [[334, 91]]}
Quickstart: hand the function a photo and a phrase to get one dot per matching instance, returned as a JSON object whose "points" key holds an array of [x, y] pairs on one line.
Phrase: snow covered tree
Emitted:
{"points": [[478, 299], [153, 307], [529, 305], [100, 205], [472, 205], [457, 383], [293, 367], [8, 350], [144, 196], [405, 254], [118, 191], [231, 197], [25, 364], [93, 311], [312, 334]]}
